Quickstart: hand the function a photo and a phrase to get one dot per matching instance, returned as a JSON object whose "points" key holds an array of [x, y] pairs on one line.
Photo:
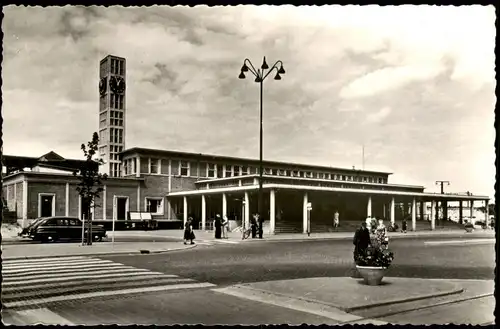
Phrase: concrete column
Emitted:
{"points": [[272, 211], [247, 210], [393, 215], [138, 167], [369, 207], [413, 215], [185, 209], [224, 205], [437, 211], [169, 210], [460, 212], [104, 198], [66, 212], [486, 214], [433, 218], [445, 210], [471, 210], [384, 213], [138, 196], [304, 213], [422, 213], [203, 212], [25, 201]]}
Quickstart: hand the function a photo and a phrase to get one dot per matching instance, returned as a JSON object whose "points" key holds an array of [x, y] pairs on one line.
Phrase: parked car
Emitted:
{"points": [[60, 228]]}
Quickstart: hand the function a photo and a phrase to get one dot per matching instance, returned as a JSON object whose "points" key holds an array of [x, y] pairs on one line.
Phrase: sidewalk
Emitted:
{"points": [[349, 300], [29, 251], [237, 236]]}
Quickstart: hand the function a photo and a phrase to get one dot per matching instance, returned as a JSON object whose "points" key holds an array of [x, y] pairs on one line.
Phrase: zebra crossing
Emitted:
{"points": [[33, 282], [215, 242]]}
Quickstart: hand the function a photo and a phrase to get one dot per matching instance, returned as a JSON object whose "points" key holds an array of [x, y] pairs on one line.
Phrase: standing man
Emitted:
{"points": [[361, 240], [336, 220]]}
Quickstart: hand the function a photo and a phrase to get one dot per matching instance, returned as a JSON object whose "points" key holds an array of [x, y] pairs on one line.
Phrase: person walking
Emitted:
{"points": [[336, 220], [188, 231], [225, 227], [361, 240], [253, 224], [218, 226], [404, 225]]}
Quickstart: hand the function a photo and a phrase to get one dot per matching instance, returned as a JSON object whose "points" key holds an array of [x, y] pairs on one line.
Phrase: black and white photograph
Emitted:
{"points": [[248, 165]]}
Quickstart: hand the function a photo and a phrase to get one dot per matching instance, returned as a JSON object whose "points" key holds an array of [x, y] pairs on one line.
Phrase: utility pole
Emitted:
{"points": [[442, 182], [363, 157]]}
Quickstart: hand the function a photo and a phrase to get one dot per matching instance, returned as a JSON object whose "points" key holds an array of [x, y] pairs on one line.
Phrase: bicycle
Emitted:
{"points": [[246, 233]]}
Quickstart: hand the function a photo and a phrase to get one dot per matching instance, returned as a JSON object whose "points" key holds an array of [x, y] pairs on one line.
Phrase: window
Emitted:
{"points": [[229, 171], [112, 66], [212, 170], [308, 174], [184, 168], [121, 68], [267, 171], [295, 173], [154, 166], [120, 98], [245, 170], [379, 180], [236, 170], [154, 205]]}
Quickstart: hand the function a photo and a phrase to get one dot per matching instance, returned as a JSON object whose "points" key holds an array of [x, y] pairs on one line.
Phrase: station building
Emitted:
{"points": [[171, 185]]}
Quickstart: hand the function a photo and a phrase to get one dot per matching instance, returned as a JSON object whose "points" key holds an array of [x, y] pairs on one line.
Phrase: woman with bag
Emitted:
{"points": [[188, 231]]}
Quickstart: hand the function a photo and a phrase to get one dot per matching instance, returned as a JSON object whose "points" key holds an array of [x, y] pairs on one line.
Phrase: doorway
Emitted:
{"points": [[46, 204], [121, 208]]}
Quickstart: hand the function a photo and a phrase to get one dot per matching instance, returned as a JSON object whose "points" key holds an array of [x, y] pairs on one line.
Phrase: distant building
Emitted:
{"points": [[172, 185]]}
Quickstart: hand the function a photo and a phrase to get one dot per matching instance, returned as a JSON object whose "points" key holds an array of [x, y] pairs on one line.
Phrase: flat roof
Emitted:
{"points": [[158, 152]]}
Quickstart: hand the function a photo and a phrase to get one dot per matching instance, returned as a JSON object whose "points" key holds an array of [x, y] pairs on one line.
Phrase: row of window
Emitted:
{"points": [[114, 169], [117, 66], [116, 118], [116, 135], [116, 101], [212, 170]]}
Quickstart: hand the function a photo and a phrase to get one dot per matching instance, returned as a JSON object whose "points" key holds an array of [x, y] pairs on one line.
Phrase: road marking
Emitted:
{"points": [[56, 265], [41, 260], [226, 241], [61, 275], [451, 242], [93, 281], [42, 316], [137, 272], [66, 270], [32, 302], [57, 268], [311, 307]]}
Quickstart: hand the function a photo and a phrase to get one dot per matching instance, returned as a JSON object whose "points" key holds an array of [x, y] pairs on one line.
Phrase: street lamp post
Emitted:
{"points": [[260, 76]]}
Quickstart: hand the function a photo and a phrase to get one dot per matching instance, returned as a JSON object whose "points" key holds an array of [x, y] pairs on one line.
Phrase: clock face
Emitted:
{"points": [[117, 85], [103, 86]]}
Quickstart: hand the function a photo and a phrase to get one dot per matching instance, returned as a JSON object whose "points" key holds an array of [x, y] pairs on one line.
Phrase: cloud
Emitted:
{"points": [[414, 84]]}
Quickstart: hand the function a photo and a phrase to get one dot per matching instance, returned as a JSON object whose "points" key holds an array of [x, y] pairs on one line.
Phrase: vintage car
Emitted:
{"points": [[49, 229]]}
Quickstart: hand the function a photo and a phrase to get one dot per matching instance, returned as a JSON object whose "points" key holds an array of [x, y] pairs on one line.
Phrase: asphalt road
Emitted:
{"points": [[262, 261], [228, 264]]}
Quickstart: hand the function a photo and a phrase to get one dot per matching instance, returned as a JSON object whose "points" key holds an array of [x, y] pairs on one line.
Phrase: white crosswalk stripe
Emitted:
{"points": [[34, 282], [216, 242]]}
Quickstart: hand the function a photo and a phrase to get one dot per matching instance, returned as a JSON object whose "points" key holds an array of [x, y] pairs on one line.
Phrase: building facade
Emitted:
{"points": [[169, 186]]}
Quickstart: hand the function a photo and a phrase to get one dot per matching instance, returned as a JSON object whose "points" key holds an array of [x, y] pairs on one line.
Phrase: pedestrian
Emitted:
{"points": [[403, 226], [361, 240], [368, 223], [381, 233], [225, 227], [188, 231], [253, 225], [218, 226], [336, 220], [260, 220]]}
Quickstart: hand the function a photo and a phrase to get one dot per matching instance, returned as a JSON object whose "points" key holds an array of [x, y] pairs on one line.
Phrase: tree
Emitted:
{"points": [[90, 185]]}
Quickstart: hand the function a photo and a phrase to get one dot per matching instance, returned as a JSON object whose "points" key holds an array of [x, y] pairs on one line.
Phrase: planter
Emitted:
{"points": [[372, 275], [469, 229]]}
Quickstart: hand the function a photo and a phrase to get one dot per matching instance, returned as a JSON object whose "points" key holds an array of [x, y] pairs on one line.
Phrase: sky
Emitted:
{"points": [[413, 84]]}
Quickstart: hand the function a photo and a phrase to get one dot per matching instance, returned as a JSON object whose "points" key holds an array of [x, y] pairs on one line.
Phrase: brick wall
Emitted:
{"points": [[34, 188], [74, 198], [183, 184], [118, 190]]}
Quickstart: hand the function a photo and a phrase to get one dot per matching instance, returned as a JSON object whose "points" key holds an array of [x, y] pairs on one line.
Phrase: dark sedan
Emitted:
{"points": [[50, 229]]}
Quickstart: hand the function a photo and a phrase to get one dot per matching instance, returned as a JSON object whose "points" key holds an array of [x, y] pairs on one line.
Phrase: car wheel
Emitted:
{"points": [[97, 238]]}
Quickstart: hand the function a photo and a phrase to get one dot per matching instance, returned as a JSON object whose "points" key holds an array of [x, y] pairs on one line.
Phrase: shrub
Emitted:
{"points": [[375, 257]]}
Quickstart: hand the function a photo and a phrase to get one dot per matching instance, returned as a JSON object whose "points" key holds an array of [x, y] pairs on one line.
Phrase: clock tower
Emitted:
{"points": [[112, 105]]}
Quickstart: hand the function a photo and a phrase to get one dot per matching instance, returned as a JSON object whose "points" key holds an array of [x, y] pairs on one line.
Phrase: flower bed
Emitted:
{"points": [[375, 257]]}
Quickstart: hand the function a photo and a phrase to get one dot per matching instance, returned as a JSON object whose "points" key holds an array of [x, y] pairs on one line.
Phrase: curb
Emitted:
{"points": [[104, 253], [362, 307]]}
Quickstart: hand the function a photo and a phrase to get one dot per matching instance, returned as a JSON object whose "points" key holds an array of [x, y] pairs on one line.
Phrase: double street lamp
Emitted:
{"points": [[261, 75]]}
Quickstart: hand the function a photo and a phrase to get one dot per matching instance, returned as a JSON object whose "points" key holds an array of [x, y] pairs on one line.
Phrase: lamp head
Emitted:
{"points": [[281, 70], [277, 77], [244, 68], [264, 64], [242, 75]]}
